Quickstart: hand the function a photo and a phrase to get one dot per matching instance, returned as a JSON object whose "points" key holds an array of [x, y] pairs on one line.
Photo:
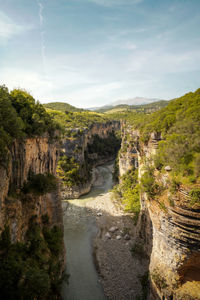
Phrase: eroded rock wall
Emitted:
{"points": [[169, 227], [35, 155]]}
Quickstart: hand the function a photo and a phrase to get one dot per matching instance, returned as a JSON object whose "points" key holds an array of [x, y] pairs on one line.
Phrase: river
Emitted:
{"points": [[79, 230]]}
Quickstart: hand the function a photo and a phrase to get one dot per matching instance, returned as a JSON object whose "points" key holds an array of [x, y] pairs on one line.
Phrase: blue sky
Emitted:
{"points": [[93, 52]]}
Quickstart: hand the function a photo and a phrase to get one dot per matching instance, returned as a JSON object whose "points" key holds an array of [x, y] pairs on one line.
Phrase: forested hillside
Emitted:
{"points": [[62, 106], [179, 125]]}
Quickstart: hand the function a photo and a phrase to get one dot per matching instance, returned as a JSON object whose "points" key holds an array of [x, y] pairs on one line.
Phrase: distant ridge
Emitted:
{"points": [[135, 101], [62, 106], [146, 108]]}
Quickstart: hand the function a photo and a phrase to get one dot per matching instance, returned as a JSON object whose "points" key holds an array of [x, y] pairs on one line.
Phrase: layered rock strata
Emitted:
{"points": [[170, 227]]}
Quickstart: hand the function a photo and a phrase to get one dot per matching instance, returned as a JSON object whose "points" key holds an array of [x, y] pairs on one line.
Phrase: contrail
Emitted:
{"points": [[42, 34], [41, 7], [43, 48]]}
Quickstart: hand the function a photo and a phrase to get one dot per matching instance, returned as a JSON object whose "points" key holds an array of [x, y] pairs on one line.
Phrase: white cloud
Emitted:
{"points": [[8, 28], [29, 80], [115, 2]]}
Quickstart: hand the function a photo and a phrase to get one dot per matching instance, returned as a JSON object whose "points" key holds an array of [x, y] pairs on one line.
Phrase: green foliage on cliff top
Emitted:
{"points": [[180, 115], [179, 126], [21, 116], [62, 106], [74, 122]]}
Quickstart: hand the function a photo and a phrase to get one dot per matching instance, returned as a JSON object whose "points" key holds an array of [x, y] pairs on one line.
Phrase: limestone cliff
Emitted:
{"points": [[83, 148], [170, 227], [34, 155]]}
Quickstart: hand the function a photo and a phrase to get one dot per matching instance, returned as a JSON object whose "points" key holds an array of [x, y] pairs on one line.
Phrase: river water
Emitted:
{"points": [[79, 230]]}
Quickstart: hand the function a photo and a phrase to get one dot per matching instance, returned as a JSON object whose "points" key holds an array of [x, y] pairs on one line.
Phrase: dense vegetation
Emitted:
{"points": [[179, 127], [40, 184], [72, 172], [75, 173], [74, 123], [21, 116], [31, 269], [127, 191], [62, 106]]}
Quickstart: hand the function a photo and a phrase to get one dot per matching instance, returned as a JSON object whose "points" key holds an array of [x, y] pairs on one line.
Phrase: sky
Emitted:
{"points": [[93, 52]]}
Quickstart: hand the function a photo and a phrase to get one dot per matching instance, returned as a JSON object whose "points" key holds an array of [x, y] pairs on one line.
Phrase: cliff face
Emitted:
{"points": [[35, 155], [173, 244], [79, 147]]}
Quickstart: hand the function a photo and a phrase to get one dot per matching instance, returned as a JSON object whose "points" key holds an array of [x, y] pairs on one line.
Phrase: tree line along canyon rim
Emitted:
{"points": [[106, 202]]}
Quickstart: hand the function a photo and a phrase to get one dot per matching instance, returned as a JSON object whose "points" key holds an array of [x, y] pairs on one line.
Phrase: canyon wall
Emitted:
{"points": [[169, 226], [34, 155], [77, 147]]}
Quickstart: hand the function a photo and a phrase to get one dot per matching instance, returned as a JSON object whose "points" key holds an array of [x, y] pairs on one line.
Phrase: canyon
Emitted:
{"points": [[154, 243]]}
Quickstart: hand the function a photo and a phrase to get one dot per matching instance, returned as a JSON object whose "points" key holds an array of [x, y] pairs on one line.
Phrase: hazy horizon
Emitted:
{"points": [[91, 53]]}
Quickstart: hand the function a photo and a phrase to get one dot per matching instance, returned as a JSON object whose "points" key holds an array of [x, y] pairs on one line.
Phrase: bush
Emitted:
{"points": [[73, 173], [40, 184], [195, 196], [148, 183], [53, 237], [128, 192]]}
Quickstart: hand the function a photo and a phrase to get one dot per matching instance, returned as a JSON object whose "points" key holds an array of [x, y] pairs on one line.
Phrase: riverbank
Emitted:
{"points": [[112, 238], [120, 273]]}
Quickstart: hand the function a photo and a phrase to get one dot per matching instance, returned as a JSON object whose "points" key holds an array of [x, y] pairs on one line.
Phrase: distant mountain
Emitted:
{"points": [[146, 108], [62, 106], [134, 101]]}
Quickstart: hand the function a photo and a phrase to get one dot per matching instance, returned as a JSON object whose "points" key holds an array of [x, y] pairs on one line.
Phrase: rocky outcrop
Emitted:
{"points": [[34, 155], [169, 226], [128, 155], [77, 147]]}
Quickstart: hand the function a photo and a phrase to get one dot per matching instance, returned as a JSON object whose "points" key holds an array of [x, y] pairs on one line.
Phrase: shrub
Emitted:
{"points": [[128, 192], [53, 237], [148, 183], [195, 196], [40, 184], [73, 173]]}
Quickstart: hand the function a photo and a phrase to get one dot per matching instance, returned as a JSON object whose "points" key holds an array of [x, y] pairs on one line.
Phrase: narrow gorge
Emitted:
{"points": [[99, 206]]}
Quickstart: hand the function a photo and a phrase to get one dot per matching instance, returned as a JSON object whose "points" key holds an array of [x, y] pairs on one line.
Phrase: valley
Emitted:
{"points": [[99, 205]]}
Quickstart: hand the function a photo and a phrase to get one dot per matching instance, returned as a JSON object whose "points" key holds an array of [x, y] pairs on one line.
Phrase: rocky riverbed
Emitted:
{"points": [[112, 236]]}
